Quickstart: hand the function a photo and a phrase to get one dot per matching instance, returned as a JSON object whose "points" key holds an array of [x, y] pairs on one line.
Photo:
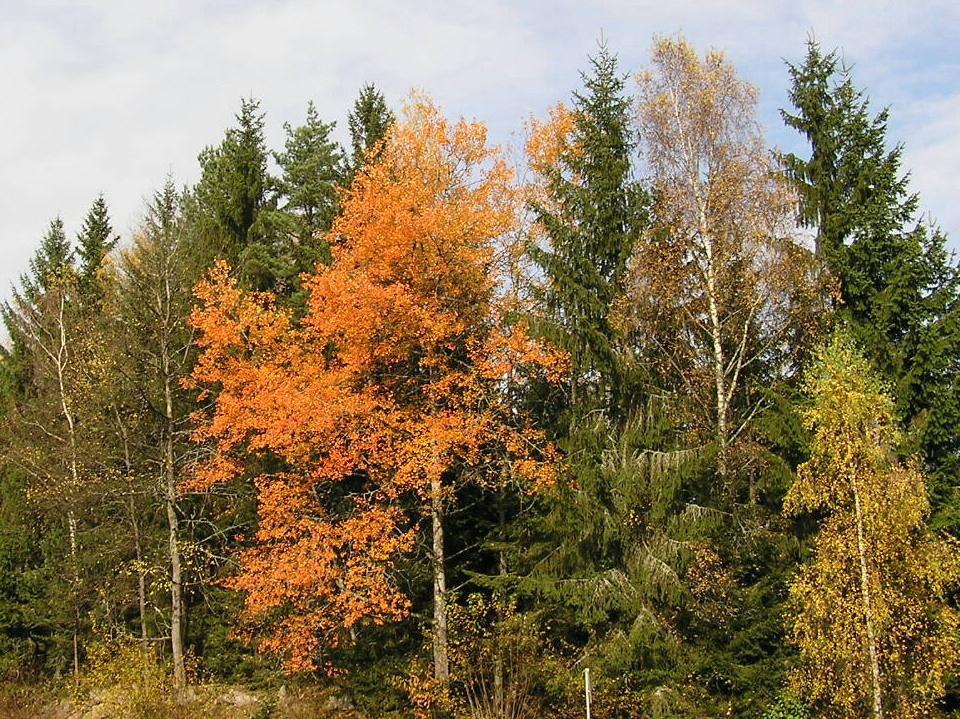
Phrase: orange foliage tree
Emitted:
{"points": [[394, 385]]}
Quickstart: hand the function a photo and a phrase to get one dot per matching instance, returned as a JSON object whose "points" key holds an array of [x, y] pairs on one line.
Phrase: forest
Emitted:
{"points": [[428, 427]]}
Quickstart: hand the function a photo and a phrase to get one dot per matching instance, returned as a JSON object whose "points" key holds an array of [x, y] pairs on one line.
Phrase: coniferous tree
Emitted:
{"points": [[591, 218], [94, 242], [899, 286], [45, 437], [156, 282], [26, 628], [603, 558], [231, 197], [311, 167], [368, 122], [51, 262]]}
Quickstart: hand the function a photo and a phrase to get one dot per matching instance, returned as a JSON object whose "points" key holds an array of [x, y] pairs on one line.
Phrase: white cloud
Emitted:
{"points": [[110, 96]]}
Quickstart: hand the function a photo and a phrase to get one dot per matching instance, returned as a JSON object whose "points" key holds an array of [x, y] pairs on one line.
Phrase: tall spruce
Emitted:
{"points": [[233, 192], [368, 121], [94, 242], [899, 286], [605, 557], [51, 262], [591, 221]]}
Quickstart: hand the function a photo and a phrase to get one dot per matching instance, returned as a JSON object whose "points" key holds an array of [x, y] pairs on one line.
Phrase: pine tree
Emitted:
{"points": [[368, 121], [94, 242], [592, 215], [899, 286], [311, 167]]}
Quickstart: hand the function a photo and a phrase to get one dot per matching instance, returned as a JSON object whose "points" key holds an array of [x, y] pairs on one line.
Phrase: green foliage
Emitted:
{"points": [[311, 167], [231, 197], [788, 708], [644, 562], [94, 242], [899, 285], [595, 213], [668, 582], [51, 263], [22, 629], [368, 121]]}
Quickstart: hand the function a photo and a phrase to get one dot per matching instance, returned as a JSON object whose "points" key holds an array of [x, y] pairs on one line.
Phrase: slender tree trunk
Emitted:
{"points": [[74, 561], [176, 576], [499, 678], [135, 525], [708, 245], [62, 358], [441, 662], [719, 360], [141, 577], [867, 606]]}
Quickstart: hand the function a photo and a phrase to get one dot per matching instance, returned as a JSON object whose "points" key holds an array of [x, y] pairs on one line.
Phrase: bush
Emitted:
{"points": [[496, 659], [788, 708]]}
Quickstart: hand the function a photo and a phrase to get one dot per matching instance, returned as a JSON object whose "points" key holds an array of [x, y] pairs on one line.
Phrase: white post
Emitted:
{"points": [[586, 689]]}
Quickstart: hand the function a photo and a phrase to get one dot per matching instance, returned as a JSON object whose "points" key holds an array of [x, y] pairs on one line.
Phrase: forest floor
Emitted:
{"points": [[211, 701]]}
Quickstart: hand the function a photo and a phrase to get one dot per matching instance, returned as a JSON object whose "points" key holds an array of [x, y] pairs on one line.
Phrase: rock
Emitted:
{"points": [[338, 703], [236, 697], [58, 710], [187, 695]]}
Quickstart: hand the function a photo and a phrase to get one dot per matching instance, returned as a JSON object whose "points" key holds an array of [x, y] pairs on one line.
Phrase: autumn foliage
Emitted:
{"points": [[394, 385], [875, 634]]}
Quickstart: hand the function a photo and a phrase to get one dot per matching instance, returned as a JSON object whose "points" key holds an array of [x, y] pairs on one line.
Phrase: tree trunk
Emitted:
{"points": [[176, 578], [74, 560], [719, 360], [62, 358], [441, 663], [867, 606], [141, 574], [135, 525], [499, 678]]}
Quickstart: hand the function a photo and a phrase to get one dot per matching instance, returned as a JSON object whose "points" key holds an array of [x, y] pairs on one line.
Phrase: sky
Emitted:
{"points": [[110, 97]]}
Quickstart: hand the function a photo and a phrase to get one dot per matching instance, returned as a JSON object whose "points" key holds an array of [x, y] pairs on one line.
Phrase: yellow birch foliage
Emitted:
{"points": [[719, 283], [879, 576]]}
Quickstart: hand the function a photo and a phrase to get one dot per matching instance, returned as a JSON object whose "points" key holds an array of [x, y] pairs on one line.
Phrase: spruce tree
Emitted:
{"points": [[233, 192], [94, 242], [602, 556], [899, 286], [52, 260], [595, 213], [368, 121]]}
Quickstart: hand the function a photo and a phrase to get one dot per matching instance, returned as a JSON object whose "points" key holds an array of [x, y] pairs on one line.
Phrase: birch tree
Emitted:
{"points": [[49, 443], [876, 634], [715, 281]]}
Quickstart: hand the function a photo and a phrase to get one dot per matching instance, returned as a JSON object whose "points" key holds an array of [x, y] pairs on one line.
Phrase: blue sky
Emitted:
{"points": [[111, 96]]}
